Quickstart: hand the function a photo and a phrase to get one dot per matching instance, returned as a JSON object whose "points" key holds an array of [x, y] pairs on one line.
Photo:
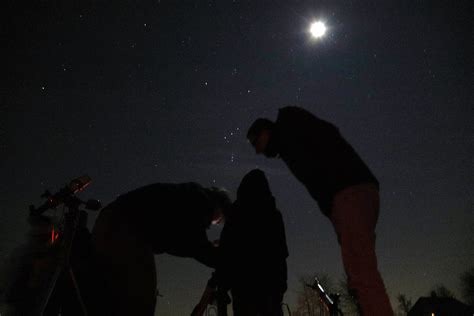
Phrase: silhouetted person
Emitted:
{"points": [[155, 219], [341, 183], [252, 252]]}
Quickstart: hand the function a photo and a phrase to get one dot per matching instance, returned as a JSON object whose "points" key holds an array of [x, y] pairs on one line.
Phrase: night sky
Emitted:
{"points": [[132, 93]]}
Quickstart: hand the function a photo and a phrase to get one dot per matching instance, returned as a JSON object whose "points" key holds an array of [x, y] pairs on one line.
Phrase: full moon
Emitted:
{"points": [[317, 29]]}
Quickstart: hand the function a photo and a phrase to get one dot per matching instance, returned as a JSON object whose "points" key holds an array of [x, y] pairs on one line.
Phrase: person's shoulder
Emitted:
{"points": [[145, 188], [144, 194], [294, 116], [193, 191], [192, 186], [195, 194], [277, 215], [294, 110], [295, 113], [291, 108], [293, 119], [169, 190]]}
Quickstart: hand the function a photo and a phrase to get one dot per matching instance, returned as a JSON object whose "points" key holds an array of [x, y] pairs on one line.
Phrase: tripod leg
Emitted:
{"points": [[78, 292]]}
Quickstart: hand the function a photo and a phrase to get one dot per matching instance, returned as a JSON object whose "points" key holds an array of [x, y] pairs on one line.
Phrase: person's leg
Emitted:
{"points": [[269, 304], [354, 216], [127, 264], [243, 304]]}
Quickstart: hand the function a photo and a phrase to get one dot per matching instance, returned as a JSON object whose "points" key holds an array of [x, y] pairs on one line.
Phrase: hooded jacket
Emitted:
{"points": [[253, 248]]}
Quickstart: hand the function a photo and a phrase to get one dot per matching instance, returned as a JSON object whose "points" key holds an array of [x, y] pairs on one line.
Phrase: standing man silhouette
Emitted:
{"points": [[343, 186]]}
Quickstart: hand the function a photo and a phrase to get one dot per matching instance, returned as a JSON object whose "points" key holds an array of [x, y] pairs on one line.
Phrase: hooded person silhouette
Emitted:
{"points": [[252, 252]]}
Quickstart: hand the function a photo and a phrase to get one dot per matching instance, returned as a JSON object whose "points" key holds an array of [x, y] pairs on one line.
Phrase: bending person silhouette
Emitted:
{"points": [[155, 219], [252, 252], [341, 183]]}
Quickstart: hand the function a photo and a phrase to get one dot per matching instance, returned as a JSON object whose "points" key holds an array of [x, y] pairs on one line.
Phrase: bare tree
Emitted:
{"points": [[467, 286], [308, 302], [404, 304], [440, 290], [349, 303]]}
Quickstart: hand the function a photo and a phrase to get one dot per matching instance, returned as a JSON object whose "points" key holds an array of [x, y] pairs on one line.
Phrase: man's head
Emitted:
{"points": [[259, 135]]}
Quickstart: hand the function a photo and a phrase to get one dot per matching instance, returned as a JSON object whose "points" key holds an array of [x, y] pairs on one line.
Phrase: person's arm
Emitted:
{"points": [[203, 250], [207, 297]]}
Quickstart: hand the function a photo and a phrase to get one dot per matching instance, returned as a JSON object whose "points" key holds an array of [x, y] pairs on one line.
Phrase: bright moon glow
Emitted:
{"points": [[318, 29]]}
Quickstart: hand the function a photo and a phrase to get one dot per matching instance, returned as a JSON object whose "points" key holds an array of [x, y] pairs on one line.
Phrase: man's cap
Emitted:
{"points": [[257, 127]]}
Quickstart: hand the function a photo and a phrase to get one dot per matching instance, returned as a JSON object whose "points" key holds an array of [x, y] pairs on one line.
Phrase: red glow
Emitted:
{"points": [[54, 235]]}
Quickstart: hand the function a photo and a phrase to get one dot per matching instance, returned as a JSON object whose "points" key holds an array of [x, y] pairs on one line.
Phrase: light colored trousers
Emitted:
{"points": [[354, 216]]}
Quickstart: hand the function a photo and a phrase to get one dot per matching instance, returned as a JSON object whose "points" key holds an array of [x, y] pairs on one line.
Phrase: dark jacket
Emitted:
{"points": [[172, 217], [318, 155], [253, 248]]}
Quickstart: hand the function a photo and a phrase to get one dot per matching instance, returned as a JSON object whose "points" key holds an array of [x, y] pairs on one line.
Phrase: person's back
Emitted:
{"points": [[254, 251], [167, 202], [150, 211], [254, 247], [153, 219], [318, 155]]}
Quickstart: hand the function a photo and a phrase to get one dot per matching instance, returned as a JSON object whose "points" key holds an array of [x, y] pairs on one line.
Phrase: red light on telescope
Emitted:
{"points": [[54, 235]]}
